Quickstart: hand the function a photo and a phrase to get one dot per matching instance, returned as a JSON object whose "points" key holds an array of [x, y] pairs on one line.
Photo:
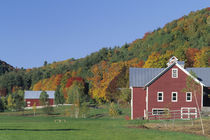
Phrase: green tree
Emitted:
{"points": [[44, 101], [76, 96], [125, 95], [10, 104], [59, 98], [45, 63], [84, 109], [44, 98], [1, 105], [18, 100]]}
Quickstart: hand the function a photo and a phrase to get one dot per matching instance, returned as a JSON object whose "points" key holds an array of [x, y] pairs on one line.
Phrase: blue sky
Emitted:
{"points": [[32, 31]]}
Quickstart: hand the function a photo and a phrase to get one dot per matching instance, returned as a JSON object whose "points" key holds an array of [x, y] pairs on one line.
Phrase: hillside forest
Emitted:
{"points": [[103, 76]]}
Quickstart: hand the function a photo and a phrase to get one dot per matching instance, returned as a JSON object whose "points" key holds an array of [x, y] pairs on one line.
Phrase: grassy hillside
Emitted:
{"points": [[106, 72]]}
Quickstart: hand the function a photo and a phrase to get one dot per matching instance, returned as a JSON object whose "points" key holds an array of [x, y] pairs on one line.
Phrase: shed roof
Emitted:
{"points": [[36, 94], [203, 75]]}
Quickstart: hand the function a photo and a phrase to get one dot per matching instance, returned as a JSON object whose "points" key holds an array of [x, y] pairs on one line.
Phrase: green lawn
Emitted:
{"points": [[102, 128]]}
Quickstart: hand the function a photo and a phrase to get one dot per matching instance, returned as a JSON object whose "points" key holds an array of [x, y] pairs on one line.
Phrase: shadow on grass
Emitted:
{"points": [[96, 116], [8, 129]]}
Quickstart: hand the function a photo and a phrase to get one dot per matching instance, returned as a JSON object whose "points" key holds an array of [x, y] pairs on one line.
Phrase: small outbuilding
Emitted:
{"points": [[32, 97]]}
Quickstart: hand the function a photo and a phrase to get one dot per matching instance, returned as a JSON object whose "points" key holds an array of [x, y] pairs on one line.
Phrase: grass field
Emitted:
{"points": [[14, 126]]}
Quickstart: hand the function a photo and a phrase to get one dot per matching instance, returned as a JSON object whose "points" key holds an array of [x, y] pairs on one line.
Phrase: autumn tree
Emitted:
{"points": [[34, 108], [202, 58], [190, 56], [10, 104], [156, 60]]}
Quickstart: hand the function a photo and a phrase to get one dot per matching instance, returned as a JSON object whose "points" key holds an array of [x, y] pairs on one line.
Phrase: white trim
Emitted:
{"points": [[172, 74], [147, 101], [157, 75], [201, 96], [159, 109], [190, 97], [189, 74], [188, 113], [179, 66], [131, 103], [172, 97], [158, 96]]}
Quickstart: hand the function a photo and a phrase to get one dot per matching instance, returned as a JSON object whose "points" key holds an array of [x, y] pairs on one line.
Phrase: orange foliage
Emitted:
{"points": [[190, 55], [72, 79], [49, 83], [106, 81]]}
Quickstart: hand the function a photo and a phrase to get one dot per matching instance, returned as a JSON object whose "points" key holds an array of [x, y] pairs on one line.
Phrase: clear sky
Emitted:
{"points": [[32, 31]]}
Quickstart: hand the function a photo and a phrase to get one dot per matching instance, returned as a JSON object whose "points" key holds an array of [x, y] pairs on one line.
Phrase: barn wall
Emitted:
{"points": [[139, 102], [167, 85], [32, 101]]}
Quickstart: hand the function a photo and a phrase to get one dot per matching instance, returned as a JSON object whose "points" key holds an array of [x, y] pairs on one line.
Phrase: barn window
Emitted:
{"points": [[159, 111], [174, 97], [160, 96], [189, 96], [175, 73]]}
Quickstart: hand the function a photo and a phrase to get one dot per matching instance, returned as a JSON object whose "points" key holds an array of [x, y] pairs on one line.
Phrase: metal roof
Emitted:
{"points": [[36, 94], [180, 62], [203, 75], [139, 77]]}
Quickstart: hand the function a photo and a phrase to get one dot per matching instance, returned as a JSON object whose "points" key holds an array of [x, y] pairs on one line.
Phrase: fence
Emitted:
{"points": [[184, 113]]}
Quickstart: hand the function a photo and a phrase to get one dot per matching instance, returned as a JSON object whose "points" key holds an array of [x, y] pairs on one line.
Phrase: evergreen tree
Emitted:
{"points": [[1, 105]]}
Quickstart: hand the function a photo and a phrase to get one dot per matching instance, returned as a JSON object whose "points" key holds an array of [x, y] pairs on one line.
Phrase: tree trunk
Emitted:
{"points": [[199, 112]]}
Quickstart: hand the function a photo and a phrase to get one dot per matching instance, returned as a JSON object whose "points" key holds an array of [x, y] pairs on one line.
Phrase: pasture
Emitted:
{"points": [[98, 126]]}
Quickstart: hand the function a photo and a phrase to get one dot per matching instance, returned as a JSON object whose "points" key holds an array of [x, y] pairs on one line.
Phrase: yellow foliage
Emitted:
{"points": [[202, 58]]}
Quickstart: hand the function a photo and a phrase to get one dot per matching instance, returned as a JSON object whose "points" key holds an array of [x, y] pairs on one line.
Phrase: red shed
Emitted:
{"points": [[159, 91], [32, 97]]}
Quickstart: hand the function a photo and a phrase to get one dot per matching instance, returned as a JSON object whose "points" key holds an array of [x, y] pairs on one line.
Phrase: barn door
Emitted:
{"points": [[188, 113]]}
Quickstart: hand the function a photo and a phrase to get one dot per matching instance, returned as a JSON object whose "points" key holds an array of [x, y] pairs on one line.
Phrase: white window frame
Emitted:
{"points": [[172, 96], [172, 74], [158, 96], [188, 112], [190, 97], [162, 109]]}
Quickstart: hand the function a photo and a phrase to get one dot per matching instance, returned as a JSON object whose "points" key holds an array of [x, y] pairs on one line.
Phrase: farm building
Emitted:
{"points": [[32, 97], [159, 91]]}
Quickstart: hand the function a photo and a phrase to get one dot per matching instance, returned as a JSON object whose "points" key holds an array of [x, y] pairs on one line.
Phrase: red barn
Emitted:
{"points": [[159, 91], [32, 97]]}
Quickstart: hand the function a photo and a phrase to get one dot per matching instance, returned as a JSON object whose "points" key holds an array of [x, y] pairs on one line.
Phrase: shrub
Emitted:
{"points": [[48, 109], [114, 110]]}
